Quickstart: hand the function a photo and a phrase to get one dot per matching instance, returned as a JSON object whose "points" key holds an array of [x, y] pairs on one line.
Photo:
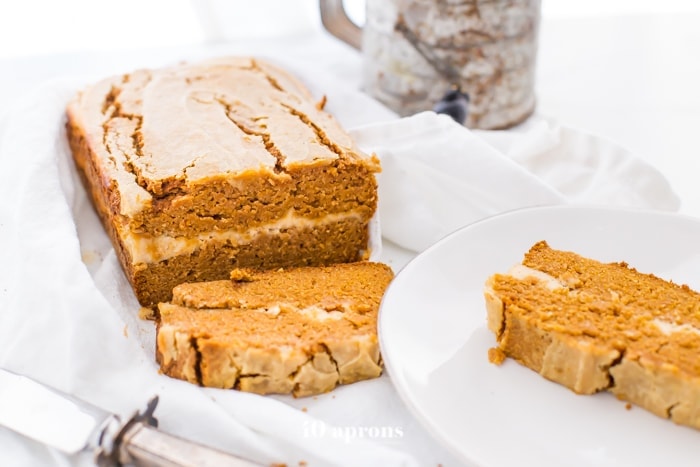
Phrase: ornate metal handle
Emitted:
{"points": [[139, 442], [336, 21], [145, 446]]}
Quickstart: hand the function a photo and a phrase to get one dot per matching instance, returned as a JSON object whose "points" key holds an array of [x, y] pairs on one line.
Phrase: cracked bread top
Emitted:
{"points": [[178, 140], [607, 306]]}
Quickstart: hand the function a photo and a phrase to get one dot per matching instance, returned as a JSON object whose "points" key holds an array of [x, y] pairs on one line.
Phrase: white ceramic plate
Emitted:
{"points": [[435, 341]]}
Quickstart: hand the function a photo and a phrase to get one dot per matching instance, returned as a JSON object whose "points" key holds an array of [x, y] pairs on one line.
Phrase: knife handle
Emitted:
{"points": [[145, 446]]}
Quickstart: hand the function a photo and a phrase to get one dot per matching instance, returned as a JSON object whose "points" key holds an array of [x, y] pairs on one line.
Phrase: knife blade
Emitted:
{"points": [[72, 425]]}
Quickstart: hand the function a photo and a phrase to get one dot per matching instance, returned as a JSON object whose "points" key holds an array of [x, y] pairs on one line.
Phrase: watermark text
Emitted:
{"points": [[319, 429]]}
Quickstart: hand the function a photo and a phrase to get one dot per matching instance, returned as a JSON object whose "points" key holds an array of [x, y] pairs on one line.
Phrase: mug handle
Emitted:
{"points": [[337, 22]]}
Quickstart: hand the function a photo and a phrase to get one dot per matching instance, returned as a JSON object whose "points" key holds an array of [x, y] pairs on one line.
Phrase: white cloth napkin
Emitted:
{"points": [[68, 317], [438, 176]]}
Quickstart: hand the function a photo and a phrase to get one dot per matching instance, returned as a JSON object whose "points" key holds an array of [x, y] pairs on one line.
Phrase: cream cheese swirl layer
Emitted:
{"points": [[149, 249]]}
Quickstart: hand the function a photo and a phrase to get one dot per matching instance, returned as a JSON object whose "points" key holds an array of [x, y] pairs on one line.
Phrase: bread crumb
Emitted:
{"points": [[304, 409], [496, 355], [628, 406], [126, 331], [89, 256], [278, 465], [147, 313], [241, 275], [302, 463], [322, 103]]}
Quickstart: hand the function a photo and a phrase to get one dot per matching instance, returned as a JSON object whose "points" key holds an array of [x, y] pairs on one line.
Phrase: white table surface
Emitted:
{"points": [[630, 79], [633, 80]]}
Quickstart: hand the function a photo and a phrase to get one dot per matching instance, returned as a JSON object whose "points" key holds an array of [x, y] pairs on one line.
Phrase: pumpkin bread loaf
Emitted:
{"points": [[197, 169]]}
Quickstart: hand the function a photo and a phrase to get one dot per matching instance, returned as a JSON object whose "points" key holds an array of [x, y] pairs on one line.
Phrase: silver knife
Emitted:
{"points": [[40, 412]]}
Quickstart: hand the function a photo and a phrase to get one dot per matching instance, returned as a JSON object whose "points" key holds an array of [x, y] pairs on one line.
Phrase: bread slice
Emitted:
{"points": [[594, 326], [301, 330]]}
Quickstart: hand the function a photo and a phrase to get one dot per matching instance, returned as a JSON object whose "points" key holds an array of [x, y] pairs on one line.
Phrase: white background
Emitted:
{"points": [[35, 27]]}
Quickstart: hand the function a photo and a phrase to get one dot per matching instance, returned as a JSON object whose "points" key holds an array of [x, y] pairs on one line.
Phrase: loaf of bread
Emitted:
{"points": [[594, 326], [300, 330], [198, 169]]}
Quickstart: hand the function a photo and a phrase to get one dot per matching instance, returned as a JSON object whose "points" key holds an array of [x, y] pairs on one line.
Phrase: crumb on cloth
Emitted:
{"points": [[496, 355]]}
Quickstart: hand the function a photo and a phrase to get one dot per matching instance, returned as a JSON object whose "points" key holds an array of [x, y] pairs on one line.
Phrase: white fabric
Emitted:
{"points": [[438, 176], [69, 318]]}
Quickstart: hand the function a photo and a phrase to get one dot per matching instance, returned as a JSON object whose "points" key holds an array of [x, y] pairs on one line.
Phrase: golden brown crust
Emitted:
{"points": [[301, 330], [592, 326], [661, 389], [198, 169]]}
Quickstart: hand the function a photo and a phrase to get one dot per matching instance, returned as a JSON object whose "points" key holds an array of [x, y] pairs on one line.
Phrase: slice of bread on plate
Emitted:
{"points": [[594, 326]]}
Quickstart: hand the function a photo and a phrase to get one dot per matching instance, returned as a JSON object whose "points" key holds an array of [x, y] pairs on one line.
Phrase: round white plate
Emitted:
{"points": [[434, 339]]}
